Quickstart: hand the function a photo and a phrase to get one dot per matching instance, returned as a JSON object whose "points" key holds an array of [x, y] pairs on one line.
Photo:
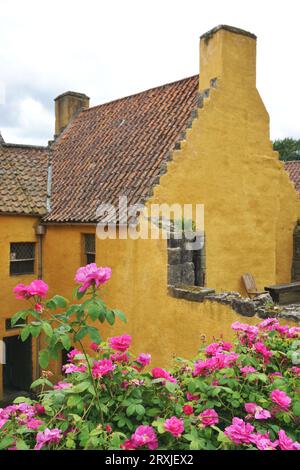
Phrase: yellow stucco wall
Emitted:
{"points": [[13, 229], [227, 164]]}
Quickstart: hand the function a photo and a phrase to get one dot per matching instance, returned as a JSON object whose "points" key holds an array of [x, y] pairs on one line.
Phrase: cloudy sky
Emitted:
{"points": [[113, 48]]}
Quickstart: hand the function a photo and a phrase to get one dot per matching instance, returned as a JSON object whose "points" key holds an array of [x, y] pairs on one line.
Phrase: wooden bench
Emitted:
{"points": [[285, 293], [250, 285]]}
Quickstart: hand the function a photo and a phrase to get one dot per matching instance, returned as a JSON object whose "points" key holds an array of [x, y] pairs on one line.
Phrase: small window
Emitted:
{"points": [[21, 258], [89, 248]]}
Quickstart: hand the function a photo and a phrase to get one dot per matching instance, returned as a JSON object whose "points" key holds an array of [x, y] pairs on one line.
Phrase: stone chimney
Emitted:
{"points": [[66, 106], [228, 54]]}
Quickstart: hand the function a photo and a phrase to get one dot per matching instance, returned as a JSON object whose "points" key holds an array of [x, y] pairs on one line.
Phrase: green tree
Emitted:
{"points": [[288, 148]]}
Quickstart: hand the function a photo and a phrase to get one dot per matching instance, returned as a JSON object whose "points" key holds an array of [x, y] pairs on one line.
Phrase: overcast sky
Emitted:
{"points": [[113, 48]]}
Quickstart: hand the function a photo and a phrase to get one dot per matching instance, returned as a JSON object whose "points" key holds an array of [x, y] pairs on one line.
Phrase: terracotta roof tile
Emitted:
{"points": [[117, 149], [23, 179], [293, 169]]}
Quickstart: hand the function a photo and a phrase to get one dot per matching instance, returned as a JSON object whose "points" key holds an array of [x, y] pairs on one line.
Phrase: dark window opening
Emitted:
{"points": [[22, 257], [186, 261], [17, 370], [89, 248]]}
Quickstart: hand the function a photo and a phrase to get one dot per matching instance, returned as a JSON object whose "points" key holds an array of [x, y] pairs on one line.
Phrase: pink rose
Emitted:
{"points": [[174, 426], [144, 436], [257, 411], [92, 275], [286, 443], [239, 432], [39, 409], [38, 287], [263, 350], [72, 368], [102, 367], [144, 359], [188, 410], [208, 417], [192, 397], [47, 436], [62, 385], [158, 373], [34, 423], [247, 370], [263, 442], [120, 343], [214, 348], [280, 398], [95, 347], [119, 357], [269, 324]]}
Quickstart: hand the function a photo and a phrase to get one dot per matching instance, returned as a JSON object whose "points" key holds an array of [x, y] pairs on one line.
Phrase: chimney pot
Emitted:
{"points": [[66, 106]]}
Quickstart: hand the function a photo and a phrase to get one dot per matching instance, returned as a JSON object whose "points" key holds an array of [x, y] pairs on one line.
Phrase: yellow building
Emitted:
{"points": [[195, 141]]}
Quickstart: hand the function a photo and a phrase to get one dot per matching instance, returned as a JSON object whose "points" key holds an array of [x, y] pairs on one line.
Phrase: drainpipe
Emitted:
{"points": [[40, 231]]}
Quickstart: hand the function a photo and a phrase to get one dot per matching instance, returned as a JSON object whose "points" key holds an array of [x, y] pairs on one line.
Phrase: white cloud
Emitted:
{"points": [[112, 49]]}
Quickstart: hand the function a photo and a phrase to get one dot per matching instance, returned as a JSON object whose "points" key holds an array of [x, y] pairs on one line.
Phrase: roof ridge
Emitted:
{"points": [[10, 145], [138, 93]]}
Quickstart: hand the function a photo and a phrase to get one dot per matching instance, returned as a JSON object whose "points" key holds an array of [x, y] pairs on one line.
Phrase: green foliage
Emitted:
{"points": [[288, 148]]}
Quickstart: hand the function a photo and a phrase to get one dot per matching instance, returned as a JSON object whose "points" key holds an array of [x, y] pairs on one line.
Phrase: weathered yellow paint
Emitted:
{"points": [[13, 229], [227, 163]]}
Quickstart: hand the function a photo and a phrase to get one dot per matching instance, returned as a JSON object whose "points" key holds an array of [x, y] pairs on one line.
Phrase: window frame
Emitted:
{"points": [[85, 252], [22, 260]]}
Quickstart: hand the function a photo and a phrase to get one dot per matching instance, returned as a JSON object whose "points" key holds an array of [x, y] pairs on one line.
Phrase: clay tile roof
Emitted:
{"points": [[23, 179], [117, 149], [293, 169]]}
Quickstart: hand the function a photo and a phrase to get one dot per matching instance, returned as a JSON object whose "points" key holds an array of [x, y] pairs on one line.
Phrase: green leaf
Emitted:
{"points": [[120, 314], [81, 387], [74, 400], [21, 445], [6, 442], [66, 341], [21, 315], [37, 383], [130, 410], [296, 408], [170, 386], [94, 334], [93, 311], [60, 301], [51, 304], [110, 317], [44, 359], [47, 328], [140, 409], [82, 333], [153, 412], [25, 333], [35, 330]]}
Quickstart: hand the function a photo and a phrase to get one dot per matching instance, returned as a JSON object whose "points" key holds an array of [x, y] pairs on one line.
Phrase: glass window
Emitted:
{"points": [[22, 258], [89, 248]]}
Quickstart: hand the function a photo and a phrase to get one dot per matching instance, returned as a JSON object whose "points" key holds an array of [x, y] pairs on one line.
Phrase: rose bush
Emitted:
{"points": [[240, 396]]}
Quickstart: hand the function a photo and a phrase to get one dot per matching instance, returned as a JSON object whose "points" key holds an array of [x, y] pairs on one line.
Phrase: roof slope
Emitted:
{"points": [[293, 169], [117, 149], [23, 179]]}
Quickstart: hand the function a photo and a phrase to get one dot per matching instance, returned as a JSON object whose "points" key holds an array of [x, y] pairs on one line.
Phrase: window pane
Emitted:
{"points": [[90, 258], [21, 251], [89, 243], [21, 267]]}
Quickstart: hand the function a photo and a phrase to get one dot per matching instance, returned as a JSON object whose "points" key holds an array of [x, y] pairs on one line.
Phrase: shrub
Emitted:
{"points": [[241, 396]]}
